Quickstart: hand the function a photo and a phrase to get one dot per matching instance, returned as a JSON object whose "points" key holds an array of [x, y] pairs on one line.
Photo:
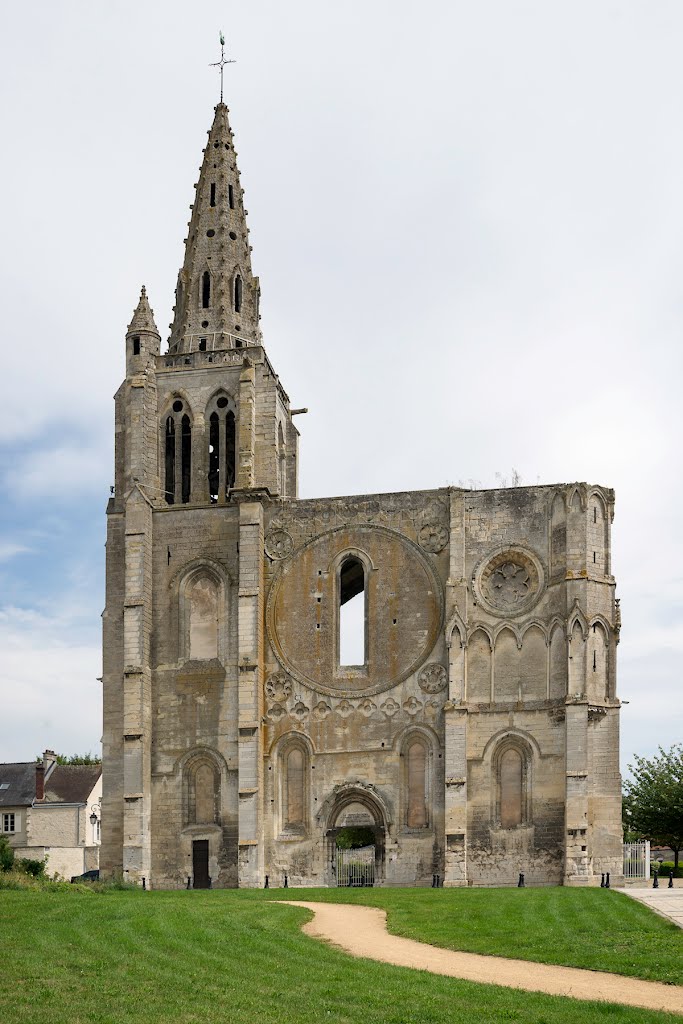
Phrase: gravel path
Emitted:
{"points": [[362, 931]]}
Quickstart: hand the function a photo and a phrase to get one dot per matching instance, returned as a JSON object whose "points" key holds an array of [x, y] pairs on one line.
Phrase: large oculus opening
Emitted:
{"points": [[352, 614]]}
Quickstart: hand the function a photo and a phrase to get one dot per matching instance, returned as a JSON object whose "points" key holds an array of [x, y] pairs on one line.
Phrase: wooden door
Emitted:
{"points": [[200, 864]]}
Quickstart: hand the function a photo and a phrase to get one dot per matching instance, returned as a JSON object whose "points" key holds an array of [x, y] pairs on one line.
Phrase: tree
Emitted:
{"points": [[73, 759], [653, 799]]}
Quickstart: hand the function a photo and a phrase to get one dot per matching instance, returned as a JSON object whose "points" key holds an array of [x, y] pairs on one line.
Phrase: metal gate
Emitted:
{"points": [[637, 860], [356, 867]]}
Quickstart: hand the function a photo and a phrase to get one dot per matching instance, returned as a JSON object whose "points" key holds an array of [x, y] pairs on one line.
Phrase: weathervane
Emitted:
{"points": [[222, 62]]}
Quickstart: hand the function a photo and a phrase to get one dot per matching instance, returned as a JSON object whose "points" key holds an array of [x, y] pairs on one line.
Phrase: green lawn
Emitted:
{"points": [[599, 929], [191, 957]]}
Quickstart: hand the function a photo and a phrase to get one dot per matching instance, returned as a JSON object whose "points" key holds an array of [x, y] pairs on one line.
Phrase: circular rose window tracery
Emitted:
{"points": [[509, 582]]}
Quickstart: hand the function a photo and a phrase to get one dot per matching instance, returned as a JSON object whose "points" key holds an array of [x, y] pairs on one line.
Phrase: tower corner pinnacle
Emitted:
{"points": [[143, 317]]}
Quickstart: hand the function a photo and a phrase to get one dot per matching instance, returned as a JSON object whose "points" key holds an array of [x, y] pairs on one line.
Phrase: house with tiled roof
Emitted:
{"points": [[52, 811]]}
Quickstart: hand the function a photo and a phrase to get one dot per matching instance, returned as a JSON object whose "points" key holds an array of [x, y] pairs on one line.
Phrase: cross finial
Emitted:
{"points": [[222, 62]]}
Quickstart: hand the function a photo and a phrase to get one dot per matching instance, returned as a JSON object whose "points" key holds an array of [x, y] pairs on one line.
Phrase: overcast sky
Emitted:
{"points": [[467, 219]]}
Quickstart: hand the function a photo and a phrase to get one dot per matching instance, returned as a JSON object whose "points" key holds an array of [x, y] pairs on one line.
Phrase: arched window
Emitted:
{"points": [[205, 810], [238, 294], [206, 289], [177, 454], [201, 790], [416, 813], [511, 789], [294, 815], [202, 596], [281, 460], [352, 613], [169, 459], [221, 476], [511, 767]]}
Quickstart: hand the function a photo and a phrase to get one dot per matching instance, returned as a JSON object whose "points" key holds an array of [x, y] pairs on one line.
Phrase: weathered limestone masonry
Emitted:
{"points": [[475, 734]]}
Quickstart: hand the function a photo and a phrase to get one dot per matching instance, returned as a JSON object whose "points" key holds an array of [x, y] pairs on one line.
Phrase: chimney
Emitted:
{"points": [[40, 781], [49, 761]]}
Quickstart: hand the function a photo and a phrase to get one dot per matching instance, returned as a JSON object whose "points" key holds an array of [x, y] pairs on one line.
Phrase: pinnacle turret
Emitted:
{"points": [[217, 296], [143, 317]]}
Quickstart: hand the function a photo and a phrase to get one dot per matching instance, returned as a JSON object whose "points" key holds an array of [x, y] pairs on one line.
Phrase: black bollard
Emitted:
{"points": [[671, 880], [144, 882], [520, 883], [655, 884], [607, 881], [286, 882], [267, 885], [209, 882], [189, 885], [602, 881], [433, 881]]}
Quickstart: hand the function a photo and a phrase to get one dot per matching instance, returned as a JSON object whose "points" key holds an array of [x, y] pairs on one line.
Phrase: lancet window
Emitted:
{"points": [[177, 442], [221, 433], [352, 613], [512, 779], [416, 761]]}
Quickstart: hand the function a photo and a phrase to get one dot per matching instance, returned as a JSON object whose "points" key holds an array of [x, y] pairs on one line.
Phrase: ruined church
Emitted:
{"points": [[472, 732]]}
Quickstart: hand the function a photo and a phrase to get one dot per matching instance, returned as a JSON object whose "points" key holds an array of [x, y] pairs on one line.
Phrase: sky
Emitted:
{"points": [[467, 220]]}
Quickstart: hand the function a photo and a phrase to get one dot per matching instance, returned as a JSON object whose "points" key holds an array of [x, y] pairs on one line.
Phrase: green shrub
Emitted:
{"points": [[6, 854], [31, 867], [665, 868]]}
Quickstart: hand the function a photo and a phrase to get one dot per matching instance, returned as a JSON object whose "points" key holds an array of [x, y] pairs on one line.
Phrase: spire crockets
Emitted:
{"points": [[217, 296]]}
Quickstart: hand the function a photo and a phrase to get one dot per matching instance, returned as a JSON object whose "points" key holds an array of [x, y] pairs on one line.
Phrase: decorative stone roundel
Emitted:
{"points": [[278, 544], [278, 687], [432, 678], [510, 581], [433, 537]]}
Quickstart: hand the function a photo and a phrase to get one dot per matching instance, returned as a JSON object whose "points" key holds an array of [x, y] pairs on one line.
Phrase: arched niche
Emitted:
{"points": [[202, 613], [201, 788], [479, 668], [558, 663], [511, 766], [507, 667], [597, 662], [534, 664]]}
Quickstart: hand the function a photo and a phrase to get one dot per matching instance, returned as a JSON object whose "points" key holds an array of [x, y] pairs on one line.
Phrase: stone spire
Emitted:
{"points": [[217, 296], [143, 317]]}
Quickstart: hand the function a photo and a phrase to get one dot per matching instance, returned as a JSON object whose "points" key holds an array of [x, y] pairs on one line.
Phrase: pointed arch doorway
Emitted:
{"points": [[356, 838]]}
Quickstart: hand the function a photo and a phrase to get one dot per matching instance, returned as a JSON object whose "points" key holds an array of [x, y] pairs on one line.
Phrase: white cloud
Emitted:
{"points": [[48, 687], [10, 550]]}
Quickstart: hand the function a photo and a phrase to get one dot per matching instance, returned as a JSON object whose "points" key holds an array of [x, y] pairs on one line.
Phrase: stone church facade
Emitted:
{"points": [[477, 732]]}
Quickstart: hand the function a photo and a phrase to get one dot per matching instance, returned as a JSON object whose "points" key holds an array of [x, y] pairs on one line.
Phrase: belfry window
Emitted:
{"points": [[170, 461], [136, 345], [352, 613], [206, 289], [186, 458], [177, 455], [238, 294], [212, 199], [221, 449]]}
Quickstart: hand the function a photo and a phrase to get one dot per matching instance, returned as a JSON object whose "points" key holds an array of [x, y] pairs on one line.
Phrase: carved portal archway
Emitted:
{"points": [[354, 806]]}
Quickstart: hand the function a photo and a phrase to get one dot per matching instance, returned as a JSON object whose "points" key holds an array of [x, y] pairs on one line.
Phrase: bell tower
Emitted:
{"points": [[205, 442]]}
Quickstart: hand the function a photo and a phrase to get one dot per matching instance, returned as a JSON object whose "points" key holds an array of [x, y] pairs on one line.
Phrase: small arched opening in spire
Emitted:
{"points": [[238, 294], [212, 197], [206, 289], [231, 197]]}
